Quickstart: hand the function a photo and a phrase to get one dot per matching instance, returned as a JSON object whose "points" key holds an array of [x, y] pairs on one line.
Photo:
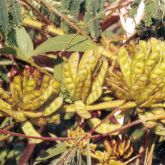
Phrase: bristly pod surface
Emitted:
{"points": [[141, 78], [141, 74], [81, 79], [32, 98]]}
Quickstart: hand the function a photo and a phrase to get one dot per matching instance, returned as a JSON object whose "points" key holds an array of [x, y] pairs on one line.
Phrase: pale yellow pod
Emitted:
{"points": [[96, 91], [86, 66], [32, 105], [30, 86], [29, 130], [93, 96], [125, 64], [143, 47], [81, 110], [17, 84], [151, 62], [17, 115], [68, 79], [33, 114], [45, 82], [137, 66], [87, 86], [53, 88], [73, 64], [4, 106], [104, 127], [158, 72], [53, 107], [3, 94], [32, 95], [84, 60]]}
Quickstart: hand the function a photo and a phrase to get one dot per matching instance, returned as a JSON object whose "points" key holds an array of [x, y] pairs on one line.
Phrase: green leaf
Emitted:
{"points": [[51, 152], [66, 42], [8, 50], [15, 10], [4, 17], [58, 69], [24, 42]]}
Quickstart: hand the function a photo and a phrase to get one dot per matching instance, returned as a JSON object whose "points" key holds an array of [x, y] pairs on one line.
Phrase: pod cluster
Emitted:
{"points": [[140, 76]]}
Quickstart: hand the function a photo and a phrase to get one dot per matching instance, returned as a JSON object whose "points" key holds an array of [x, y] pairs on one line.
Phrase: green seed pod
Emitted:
{"points": [[158, 73], [81, 110], [31, 96], [45, 82], [73, 64], [86, 66], [125, 64], [4, 105], [68, 79], [3, 94], [70, 72], [97, 84], [33, 114], [29, 130], [87, 86], [53, 107], [30, 86], [104, 127]]}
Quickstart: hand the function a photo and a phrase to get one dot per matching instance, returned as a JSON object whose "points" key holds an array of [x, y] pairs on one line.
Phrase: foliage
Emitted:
{"points": [[10, 17]]}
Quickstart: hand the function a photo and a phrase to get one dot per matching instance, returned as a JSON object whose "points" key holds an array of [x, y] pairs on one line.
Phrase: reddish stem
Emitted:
{"points": [[27, 153], [35, 137]]}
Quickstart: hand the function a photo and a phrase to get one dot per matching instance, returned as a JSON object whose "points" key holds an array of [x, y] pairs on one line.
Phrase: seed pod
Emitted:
{"points": [[86, 66], [125, 63], [73, 64], [87, 86], [31, 96], [70, 72], [29, 130], [151, 61], [81, 110], [104, 127], [53, 88], [30, 86], [68, 79], [4, 105], [97, 84], [158, 73], [54, 106], [3, 94], [33, 114], [45, 82]]}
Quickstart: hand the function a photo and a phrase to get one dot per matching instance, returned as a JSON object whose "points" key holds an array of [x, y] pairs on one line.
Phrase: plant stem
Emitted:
{"points": [[39, 26], [27, 153], [102, 106]]}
